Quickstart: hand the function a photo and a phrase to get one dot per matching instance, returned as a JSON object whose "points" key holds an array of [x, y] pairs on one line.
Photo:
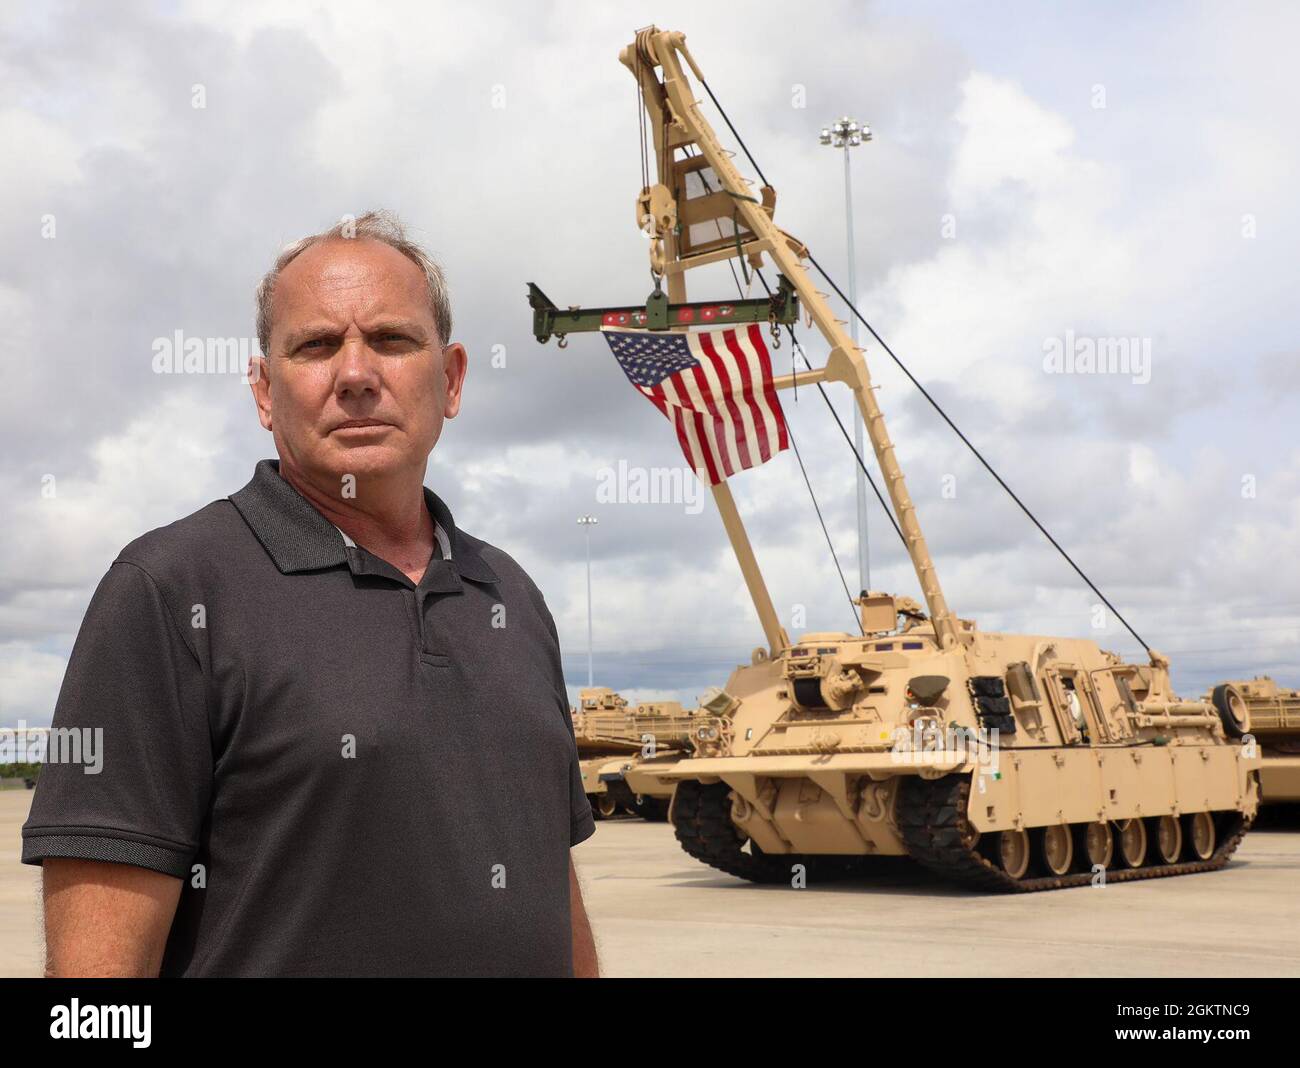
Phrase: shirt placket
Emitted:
{"points": [[439, 581]]}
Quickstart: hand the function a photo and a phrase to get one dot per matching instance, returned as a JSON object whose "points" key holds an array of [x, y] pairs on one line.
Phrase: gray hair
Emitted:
{"points": [[377, 226]]}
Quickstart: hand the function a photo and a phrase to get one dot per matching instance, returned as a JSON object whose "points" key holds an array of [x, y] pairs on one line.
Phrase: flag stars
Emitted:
{"points": [[648, 359]]}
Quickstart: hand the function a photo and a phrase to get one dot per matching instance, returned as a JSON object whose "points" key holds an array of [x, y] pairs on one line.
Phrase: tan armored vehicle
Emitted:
{"points": [[1004, 761], [1271, 715], [613, 738], [668, 734], [645, 781], [604, 742]]}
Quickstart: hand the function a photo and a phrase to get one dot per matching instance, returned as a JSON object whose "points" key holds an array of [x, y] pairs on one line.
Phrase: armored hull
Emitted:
{"points": [[1011, 762]]}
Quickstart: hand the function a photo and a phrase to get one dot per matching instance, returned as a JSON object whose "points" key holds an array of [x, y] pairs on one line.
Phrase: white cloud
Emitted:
{"points": [[29, 683], [1125, 222], [163, 465]]}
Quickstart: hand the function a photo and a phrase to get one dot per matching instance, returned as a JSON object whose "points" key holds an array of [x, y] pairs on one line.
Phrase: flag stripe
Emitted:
{"points": [[702, 388], [689, 436], [718, 360], [740, 353], [769, 389], [696, 386], [680, 393]]}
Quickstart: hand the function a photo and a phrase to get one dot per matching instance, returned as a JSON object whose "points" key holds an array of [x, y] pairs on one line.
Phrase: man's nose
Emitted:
{"points": [[358, 367]]}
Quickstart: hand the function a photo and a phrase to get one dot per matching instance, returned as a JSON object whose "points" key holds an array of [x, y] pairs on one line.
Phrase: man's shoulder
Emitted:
{"points": [[510, 575], [188, 546], [507, 568]]}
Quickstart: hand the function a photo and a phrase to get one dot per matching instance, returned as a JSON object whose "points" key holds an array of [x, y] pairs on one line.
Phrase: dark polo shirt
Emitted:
{"points": [[351, 773]]}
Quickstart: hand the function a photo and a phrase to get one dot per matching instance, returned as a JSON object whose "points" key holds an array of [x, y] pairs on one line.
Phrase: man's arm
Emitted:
{"points": [[104, 919], [117, 831], [585, 964]]}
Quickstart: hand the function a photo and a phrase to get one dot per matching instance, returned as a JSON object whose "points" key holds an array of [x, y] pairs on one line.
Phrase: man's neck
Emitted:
{"points": [[388, 516]]}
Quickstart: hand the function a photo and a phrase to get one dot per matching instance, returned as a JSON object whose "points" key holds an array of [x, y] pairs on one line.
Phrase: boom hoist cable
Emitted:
{"points": [[798, 348], [926, 394], [980, 457]]}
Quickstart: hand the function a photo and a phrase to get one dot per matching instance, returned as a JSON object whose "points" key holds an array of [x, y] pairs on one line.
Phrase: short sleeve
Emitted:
{"points": [[582, 823], [127, 775]]}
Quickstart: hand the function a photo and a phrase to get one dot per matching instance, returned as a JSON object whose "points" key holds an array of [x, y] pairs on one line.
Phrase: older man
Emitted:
{"points": [[335, 730]]}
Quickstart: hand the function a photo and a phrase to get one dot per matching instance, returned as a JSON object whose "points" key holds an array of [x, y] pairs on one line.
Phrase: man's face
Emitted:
{"points": [[357, 381]]}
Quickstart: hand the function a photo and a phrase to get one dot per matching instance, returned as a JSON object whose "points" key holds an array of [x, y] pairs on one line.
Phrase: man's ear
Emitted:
{"points": [[259, 381], [455, 363]]}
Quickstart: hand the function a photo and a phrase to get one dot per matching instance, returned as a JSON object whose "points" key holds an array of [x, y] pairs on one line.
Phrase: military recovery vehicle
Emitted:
{"points": [[1006, 762], [1270, 714], [614, 737]]}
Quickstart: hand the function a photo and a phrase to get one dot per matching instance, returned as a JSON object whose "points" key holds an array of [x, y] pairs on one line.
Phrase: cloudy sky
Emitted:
{"points": [[1037, 174]]}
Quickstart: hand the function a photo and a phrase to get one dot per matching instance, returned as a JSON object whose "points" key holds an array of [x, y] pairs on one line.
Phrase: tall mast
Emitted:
{"points": [[722, 498], [676, 122]]}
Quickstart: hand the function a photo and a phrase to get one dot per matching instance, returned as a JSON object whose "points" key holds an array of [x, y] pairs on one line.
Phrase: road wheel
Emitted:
{"points": [[1169, 839], [1200, 835], [605, 806], [1132, 842], [1232, 710], [1094, 845], [1057, 849], [1013, 853]]}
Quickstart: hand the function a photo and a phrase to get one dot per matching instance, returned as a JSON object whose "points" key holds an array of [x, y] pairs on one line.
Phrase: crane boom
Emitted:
{"points": [[676, 217]]}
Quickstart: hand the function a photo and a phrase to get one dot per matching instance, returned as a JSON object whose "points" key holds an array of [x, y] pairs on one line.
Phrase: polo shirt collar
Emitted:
{"points": [[299, 538], [439, 535]]}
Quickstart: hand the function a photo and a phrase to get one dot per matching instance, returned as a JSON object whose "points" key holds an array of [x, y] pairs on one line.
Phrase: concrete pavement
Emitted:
{"points": [[657, 912]]}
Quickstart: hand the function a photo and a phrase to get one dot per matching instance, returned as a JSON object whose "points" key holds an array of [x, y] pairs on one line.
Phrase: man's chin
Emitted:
{"points": [[368, 458]]}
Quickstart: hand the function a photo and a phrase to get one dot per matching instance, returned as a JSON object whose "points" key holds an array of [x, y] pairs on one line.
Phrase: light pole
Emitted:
{"points": [[587, 522], [846, 134]]}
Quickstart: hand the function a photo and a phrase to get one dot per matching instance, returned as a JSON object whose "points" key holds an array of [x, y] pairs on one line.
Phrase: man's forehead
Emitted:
{"points": [[344, 269]]}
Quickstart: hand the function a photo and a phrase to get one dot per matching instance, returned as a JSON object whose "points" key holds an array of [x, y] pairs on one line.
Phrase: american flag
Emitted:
{"points": [[715, 387]]}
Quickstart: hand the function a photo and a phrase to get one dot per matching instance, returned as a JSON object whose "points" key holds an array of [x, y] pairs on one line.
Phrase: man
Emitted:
{"points": [[335, 734]]}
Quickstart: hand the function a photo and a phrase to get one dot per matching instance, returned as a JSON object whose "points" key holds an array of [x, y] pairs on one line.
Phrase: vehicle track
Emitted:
{"points": [[932, 820]]}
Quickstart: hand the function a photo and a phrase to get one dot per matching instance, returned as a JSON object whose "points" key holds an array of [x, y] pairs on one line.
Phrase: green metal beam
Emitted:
{"points": [[658, 314]]}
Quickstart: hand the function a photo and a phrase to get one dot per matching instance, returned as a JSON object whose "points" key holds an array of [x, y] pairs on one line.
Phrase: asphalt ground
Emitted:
{"points": [[657, 912]]}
